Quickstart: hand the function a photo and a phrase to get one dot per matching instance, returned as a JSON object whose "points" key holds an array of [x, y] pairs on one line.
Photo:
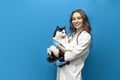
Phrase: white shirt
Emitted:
{"points": [[77, 56]]}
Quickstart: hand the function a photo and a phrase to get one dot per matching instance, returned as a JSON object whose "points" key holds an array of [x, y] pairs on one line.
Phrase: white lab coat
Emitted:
{"points": [[76, 56]]}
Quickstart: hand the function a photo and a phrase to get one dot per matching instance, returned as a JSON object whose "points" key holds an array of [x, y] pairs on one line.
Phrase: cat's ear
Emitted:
{"points": [[64, 27], [57, 27]]}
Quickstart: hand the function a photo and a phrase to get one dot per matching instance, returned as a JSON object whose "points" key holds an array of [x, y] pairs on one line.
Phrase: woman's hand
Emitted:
{"points": [[60, 63]]}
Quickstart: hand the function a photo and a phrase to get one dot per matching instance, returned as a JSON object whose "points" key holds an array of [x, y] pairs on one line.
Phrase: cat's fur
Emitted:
{"points": [[60, 36]]}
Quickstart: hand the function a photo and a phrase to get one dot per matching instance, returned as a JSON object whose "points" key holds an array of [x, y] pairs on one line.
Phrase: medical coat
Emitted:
{"points": [[77, 56]]}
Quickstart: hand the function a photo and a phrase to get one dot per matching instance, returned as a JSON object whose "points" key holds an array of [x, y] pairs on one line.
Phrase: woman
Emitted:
{"points": [[80, 39]]}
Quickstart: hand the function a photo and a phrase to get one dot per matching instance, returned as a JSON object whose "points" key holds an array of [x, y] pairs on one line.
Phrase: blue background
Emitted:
{"points": [[26, 28]]}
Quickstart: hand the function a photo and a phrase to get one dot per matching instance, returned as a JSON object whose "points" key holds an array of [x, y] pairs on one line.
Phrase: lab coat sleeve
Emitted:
{"points": [[81, 48]]}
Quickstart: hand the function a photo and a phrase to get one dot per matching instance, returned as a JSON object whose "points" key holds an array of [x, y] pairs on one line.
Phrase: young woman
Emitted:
{"points": [[80, 39]]}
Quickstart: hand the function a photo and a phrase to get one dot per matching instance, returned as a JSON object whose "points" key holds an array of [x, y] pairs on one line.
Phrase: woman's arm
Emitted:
{"points": [[81, 48], [62, 48]]}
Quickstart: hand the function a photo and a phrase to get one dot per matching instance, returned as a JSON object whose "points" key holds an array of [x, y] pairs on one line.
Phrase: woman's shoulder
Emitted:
{"points": [[85, 34], [84, 37], [82, 34]]}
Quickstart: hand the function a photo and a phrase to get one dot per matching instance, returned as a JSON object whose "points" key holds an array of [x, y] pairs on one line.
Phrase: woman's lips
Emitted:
{"points": [[76, 24]]}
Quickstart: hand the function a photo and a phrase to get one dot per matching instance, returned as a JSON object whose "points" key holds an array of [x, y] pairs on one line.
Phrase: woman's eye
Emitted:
{"points": [[79, 18], [73, 18]]}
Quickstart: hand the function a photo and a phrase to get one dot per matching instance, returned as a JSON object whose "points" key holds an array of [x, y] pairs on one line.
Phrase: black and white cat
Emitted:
{"points": [[60, 36], [53, 52]]}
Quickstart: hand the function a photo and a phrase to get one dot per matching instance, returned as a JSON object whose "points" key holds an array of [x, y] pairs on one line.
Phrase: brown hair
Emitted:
{"points": [[86, 25]]}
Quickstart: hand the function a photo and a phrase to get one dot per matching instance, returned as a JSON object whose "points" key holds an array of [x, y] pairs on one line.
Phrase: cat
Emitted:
{"points": [[53, 52], [60, 36]]}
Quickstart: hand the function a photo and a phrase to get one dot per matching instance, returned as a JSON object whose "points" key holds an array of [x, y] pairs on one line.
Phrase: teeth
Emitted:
{"points": [[76, 24]]}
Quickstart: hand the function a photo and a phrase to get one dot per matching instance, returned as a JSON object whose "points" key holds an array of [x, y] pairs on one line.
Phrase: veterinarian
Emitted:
{"points": [[80, 39]]}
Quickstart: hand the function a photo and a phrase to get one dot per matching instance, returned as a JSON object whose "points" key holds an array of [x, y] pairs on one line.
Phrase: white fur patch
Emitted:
{"points": [[54, 50], [62, 38]]}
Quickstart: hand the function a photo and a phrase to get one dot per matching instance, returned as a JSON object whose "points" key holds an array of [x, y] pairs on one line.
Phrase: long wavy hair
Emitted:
{"points": [[86, 25]]}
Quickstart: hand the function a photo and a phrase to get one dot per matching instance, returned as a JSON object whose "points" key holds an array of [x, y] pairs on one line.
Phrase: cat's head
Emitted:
{"points": [[60, 32]]}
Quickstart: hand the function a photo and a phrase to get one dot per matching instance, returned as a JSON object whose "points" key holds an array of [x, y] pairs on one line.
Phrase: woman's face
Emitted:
{"points": [[77, 20]]}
